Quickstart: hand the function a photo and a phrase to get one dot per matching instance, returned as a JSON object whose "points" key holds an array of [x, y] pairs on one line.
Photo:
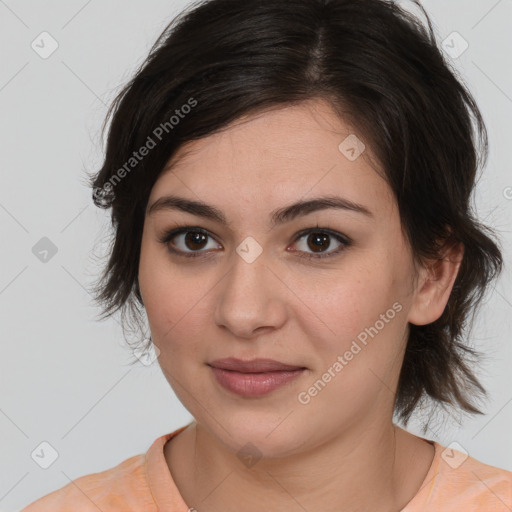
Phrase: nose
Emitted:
{"points": [[251, 299]]}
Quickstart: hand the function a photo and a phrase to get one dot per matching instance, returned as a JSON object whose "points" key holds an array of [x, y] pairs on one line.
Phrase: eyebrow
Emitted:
{"points": [[280, 216]]}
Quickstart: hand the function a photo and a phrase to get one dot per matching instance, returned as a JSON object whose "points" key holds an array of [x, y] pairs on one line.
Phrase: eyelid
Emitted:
{"points": [[343, 239], [168, 235]]}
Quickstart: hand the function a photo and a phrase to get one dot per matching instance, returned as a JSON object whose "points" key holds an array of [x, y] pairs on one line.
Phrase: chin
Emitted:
{"points": [[257, 436]]}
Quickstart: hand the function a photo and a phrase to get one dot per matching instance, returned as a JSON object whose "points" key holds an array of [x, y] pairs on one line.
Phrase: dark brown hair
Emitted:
{"points": [[382, 70]]}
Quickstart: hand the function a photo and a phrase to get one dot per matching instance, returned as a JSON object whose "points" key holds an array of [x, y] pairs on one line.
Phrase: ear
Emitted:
{"points": [[434, 285]]}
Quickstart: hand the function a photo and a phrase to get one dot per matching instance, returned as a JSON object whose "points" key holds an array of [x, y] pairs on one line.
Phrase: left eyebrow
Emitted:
{"points": [[302, 208], [280, 216]]}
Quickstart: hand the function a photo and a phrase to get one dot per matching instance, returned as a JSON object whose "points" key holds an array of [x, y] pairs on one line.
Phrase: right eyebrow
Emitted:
{"points": [[280, 216]]}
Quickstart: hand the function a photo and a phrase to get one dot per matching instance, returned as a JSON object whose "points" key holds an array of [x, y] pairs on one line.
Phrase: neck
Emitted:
{"points": [[371, 467]]}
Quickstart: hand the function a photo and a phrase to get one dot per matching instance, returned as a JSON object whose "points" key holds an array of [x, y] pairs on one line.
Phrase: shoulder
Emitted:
{"points": [[457, 481], [117, 488]]}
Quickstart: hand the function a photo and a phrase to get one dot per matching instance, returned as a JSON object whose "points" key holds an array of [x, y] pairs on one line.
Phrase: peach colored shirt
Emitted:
{"points": [[143, 483]]}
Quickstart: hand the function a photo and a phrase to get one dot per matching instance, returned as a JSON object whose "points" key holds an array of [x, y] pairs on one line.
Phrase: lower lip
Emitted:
{"points": [[254, 384]]}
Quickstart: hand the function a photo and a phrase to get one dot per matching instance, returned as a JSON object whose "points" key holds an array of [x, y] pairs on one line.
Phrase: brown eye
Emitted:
{"points": [[195, 240], [318, 242], [188, 242]]}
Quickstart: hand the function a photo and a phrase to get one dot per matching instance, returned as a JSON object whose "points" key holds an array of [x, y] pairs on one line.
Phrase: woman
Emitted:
{"points": [[290, 186]]}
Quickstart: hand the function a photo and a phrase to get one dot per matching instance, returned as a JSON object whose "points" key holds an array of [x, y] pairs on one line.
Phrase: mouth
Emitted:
{"points": [[253, 365], [253, 378]]}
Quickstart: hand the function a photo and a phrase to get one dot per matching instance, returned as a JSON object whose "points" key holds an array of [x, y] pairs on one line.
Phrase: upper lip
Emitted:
{"points": [[252, 365]]}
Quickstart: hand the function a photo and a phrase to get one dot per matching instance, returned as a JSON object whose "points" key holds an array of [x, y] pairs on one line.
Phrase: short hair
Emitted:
{"points": [[380, 69]]}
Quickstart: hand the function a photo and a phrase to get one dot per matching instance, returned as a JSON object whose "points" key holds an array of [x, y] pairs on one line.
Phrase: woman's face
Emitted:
{"points": [[253, 288]]}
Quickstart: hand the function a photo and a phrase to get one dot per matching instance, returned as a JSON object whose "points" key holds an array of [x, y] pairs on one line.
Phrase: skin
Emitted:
{"points": [[340, 451]]}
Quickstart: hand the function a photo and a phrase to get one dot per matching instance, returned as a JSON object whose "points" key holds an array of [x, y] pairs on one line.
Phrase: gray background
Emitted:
{"points": [[65, 377]]}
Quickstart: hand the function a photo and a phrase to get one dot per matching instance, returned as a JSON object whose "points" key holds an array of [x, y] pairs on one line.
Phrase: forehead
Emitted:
{"points": [[277, 157]]}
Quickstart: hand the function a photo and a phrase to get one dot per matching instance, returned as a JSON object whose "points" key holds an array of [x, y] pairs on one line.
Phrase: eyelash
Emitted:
{"points": [[346, 242]]}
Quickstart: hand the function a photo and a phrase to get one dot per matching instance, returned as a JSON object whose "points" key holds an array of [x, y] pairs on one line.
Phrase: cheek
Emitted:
{"points": [[176, 306], [161, 293], [357, 358], [351, 298], [360, 313], [174, 314]]}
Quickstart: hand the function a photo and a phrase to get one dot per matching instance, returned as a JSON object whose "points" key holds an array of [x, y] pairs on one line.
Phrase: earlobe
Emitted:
{"points": [[435, 285]]}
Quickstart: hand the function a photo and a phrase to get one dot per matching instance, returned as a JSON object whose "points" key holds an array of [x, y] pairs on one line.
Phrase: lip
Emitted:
{"points": [[253, 378], [253, 365]]}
